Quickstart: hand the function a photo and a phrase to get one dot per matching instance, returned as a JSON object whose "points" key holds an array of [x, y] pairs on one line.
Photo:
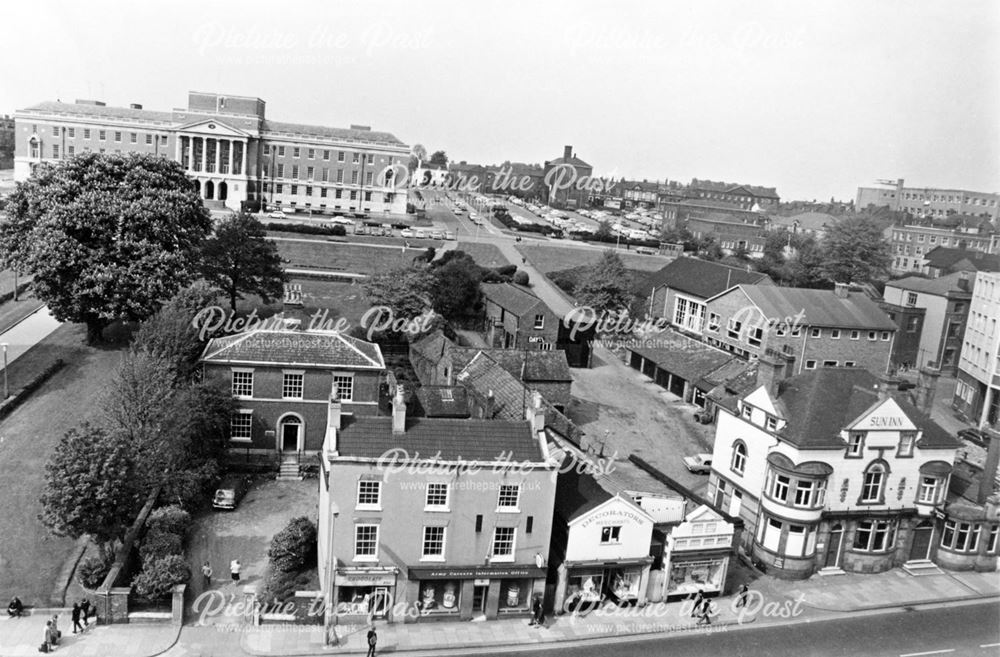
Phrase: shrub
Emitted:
{"points": [[521, 277], [92, 570], [158, 545], [338, 230], [294, 547], [280, 585], [159, 576], [169, 520], [507, 270]]}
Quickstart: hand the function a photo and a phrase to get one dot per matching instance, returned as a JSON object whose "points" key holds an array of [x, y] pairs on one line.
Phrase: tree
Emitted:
{"points": [[90, 487], [605, 286], [439, 158], [855, 251], [107, 237], [603, 231], [294, 547], [456, 291], [406, 291], [417, 155], [805, 267], [172, 334], [240, 259]]}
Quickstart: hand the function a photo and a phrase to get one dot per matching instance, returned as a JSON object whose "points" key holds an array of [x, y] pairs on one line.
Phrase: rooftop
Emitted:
{"points": [[328, 349], [944, 286], [510, 297], [947, 258], [701, 278], [819, 307]]}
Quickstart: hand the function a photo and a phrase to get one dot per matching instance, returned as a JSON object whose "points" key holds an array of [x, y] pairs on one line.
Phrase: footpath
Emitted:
{"points": [[771, 603]]}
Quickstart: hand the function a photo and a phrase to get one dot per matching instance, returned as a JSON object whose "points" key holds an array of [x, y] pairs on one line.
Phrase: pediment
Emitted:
{"points": [[213, 128]]}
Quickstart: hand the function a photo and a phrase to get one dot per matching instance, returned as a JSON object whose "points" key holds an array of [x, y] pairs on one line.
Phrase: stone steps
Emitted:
{"points": [[920, 567]]}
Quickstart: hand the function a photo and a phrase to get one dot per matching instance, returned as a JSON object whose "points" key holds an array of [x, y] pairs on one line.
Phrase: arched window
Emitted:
{"points": [[739, 460], [874, 483]]}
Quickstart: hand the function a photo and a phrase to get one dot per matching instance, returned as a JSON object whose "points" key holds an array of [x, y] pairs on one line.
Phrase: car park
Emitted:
{"points": [[699, 463]]}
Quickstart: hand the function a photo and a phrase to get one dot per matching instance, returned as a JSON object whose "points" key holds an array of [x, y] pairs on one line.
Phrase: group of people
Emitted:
{"points": [[702, 606], [234, 572], [80, 615]]}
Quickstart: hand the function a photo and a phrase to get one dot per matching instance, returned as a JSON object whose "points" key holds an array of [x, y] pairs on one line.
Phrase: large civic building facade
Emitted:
{"points": [[231, 150]]}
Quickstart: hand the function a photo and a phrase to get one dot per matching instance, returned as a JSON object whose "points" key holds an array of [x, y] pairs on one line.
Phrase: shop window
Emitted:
{"points": [[875, 535], [515, 595], [739, 460], [439, 597], [611, 535], [584, 587]]}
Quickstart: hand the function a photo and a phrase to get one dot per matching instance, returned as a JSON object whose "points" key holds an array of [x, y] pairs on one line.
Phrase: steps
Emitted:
{"points": [[289, 470], [829, 571], [920, 567]]}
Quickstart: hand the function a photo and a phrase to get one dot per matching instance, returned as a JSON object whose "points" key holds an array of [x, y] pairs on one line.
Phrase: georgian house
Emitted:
{"points": [[831, 469], [282, 381]]}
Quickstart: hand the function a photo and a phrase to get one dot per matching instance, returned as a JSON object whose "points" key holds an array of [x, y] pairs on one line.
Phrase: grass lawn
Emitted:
{"points": [[485, 255], [337, 299], [339, 256], [363, 239], [30, 556], [547, 258]]}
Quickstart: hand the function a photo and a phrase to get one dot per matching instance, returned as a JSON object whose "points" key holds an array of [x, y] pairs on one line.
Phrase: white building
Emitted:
{"points": [[977, 395]]}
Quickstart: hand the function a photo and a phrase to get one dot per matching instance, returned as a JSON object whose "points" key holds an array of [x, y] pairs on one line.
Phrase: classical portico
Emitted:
{"points": [[215, 155]]}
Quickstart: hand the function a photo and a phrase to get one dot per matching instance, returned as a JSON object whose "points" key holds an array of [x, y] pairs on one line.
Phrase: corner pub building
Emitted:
{"points": [[232, 152]]}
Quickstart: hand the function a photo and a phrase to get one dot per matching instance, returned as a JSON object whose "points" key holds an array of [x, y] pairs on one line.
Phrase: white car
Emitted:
{"points": [[448, 235], [699, 463], [343, 220], [277, 214], [406, 232]]}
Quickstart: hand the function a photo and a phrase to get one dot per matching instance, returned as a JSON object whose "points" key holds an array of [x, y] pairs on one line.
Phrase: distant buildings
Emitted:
{"points": [[977, 396], [804, 223], [562, 175], [942, 260], [231, 150], [928, 201], [6, 142], [743, 197], [911, 243]]}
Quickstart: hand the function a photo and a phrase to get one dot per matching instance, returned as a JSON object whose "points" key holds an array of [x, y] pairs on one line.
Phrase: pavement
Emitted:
{"points": [[27, 332], [772, 602]]}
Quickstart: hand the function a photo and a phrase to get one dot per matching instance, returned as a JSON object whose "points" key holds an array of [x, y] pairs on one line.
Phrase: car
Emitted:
{"points": [[699, 463], [437, 235], [342, 220], [419, 233], [406, 232], [975, 436], [230, 491], [277, 214], [448, 235]]}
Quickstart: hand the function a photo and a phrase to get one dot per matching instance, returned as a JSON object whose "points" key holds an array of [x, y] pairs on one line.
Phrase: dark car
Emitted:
{"points": [[230, 491], [975, 436]]}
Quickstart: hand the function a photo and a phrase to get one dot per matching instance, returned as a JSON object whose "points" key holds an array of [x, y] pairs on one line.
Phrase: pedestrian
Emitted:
{"points": [[372, 640], [697, 603], [539, 612], [85, 608], [206, 573], [76, 618], [56, 633], [524, 260], [234, 569], [15, 608], [46, 638], [741, 596]]}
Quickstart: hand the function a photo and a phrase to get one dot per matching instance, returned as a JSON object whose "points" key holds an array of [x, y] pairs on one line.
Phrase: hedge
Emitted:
{"points": [[160, 576], [19, 397]]}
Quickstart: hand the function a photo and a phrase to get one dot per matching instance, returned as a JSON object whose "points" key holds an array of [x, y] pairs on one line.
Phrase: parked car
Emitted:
{"points": [[699, 463], [230, 491], [277, 214], [448, 235], [406, 232], [437, 235], [419, 233], [975, 436]]}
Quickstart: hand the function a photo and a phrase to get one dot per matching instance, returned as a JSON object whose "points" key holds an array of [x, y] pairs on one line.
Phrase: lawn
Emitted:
{"points": [[30, 556], [337, 299], [549, 258], [339, 256], [485, 255]]}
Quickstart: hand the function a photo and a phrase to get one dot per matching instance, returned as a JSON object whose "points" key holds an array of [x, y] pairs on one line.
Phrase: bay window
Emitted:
{"points": [[930, 490], [875, 535], [960, 536]]}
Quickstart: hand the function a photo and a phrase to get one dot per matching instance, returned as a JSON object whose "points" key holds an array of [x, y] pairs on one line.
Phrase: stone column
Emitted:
{"points": [[218, 155], [204, 153], [232, 144], [177, 149], [243, 159]]}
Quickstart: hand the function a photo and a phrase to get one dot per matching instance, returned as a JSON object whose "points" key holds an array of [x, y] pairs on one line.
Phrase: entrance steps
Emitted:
{"points": [[289, 470], [829, 571], [919, 567]]}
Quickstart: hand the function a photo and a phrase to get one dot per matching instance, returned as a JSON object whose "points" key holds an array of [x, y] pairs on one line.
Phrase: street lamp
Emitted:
{"points": [[6, 390]]}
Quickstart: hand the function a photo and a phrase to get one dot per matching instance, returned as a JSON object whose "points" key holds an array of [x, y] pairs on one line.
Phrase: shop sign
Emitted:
{"points": [[477, 572], [481, 582], [613, 515], [365, 579], [939, 514]]}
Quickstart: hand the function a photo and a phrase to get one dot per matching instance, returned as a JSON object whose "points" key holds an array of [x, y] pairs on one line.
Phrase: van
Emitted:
{"points": [[230, 491]]}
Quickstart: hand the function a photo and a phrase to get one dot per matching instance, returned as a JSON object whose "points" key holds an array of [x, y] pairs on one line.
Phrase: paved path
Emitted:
{"points": [[28, 332]]}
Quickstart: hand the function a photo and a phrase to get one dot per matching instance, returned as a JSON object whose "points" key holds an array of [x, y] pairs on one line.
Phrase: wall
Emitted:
{"points": [[934, 321], [584, 542]]}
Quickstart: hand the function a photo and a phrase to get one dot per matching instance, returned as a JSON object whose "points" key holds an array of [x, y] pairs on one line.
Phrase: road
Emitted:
{"points": [[960, 631], [28, 332]]}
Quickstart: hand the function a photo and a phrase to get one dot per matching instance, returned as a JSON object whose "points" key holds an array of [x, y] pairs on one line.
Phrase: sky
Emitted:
{"points": [[813, 98]]}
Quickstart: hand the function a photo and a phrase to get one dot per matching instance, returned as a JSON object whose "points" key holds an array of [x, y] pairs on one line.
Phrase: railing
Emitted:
{"points": [[210, 167], [224, 168]]}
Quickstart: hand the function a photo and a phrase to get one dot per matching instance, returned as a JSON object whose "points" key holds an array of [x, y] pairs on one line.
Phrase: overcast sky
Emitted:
{"points": [[812, 98]]}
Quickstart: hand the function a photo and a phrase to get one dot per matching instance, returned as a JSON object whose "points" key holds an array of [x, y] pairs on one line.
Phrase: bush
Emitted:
{"points": [[294, 547], [281, 586], [169, 520], [521, 277], [92, 571], [159, 576], [158, 545], [338, 230], [507, 270]]}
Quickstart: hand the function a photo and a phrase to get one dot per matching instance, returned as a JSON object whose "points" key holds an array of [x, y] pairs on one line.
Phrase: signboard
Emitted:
{"points": [[939, 514], [365, 579], [887, 417], [481, 582], [476, 572], [613, 516]]}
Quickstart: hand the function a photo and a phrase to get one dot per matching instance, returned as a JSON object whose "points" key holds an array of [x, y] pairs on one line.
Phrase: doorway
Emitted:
{"points": [[479, 600], [921, 546], [291, 434], [833, 547]]}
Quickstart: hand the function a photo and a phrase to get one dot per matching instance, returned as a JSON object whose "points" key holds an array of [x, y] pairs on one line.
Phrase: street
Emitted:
{"points": [[27, 333], [969, 630]]}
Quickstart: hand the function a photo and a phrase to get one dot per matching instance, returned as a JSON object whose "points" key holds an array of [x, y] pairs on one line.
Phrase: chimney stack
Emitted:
{"points": [[333, 412], [567, 152], [137, 106], [987, 482], [886, 384], [840, 289], [398, 412], [963, 281], [489, 405], [770, 372], [926, 387], [536, 414]]}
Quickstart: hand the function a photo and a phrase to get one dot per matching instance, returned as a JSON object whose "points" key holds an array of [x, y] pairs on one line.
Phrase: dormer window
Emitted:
{"points": [[747, 411], [855, 444], [771, 423]]}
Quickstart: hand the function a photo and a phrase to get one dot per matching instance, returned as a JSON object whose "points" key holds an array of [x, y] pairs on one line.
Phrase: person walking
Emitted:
{"points": [[705, 612], [539, 612], [55, 629], [206, 573], [698, 599], [372, 641], [234, 569], [76, 618], [741, 596], [85, 609], [46, 638]]}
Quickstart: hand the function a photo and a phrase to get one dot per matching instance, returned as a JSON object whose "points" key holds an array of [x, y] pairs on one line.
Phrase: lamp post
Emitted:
{"points": [[6, 390]]}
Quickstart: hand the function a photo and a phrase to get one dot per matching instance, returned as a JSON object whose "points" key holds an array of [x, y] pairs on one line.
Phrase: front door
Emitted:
{"points": [[290, 437], [921, 545], [380, 603], [479, 599], [833, 547]]}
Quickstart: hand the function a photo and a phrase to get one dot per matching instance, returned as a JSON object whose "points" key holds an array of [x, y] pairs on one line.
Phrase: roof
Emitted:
{"points": [[683, 356], [292, 347], [577, 493], [443, 401], [724, 187], [574, 160], [947, 258], [943, 286], [819, 307], [535, 364], [701, 278], [370, 436], [806, 220], [510, 297], [821, 403], [104, 111], [330, 133]]}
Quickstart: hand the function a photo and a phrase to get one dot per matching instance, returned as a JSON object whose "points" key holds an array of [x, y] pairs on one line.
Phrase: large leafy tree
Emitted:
{"points": [[107, 237], [854, 250], [457, 290], [606, 285], [439, 158], [406, 291], [239, 259], [174, 332]]}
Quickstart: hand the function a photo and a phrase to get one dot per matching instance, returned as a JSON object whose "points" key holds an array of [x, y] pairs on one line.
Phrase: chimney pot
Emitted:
{"points": [[841, 290], [398, 412]]}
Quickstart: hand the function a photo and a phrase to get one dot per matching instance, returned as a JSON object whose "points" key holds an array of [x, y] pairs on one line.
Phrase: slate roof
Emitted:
{"points": [[820, 307], [538, 366], [330, 133], [945, 258], [701, 278], [577, 493], [684, 357], [943, 286], [103, 111], [370, 436], [806, 220], [820, 403], [443, 401], [510, 297], [328, 349]]}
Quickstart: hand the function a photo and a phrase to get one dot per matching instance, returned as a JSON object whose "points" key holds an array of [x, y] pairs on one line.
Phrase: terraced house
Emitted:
{"points": [[230, 149]]}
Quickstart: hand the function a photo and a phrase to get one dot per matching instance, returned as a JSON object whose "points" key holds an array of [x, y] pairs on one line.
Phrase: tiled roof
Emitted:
{"points": [[943, 257], [369, 436], [701, 278], [820, 307], [575, 161], [330, 133], [820, 403], [577, 493], [687, 358], [807, 220], [431, 346], [510, 297], [443, 401], [942, 286], [290, 347], [102, 111], [536, 365]]}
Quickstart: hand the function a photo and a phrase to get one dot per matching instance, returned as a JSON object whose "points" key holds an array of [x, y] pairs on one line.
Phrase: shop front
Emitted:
{"points": [[693, 573], [586, 584], [465, 593], [365, 593], [697, 554]]}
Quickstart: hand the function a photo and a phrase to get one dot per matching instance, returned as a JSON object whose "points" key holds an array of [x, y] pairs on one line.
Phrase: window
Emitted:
{"points": [[770, 423], [312, 153], [243, 383], [747, 411], [368, 177], [433, 542], [855, 443], [992, 545], [885, 336], [281, 170], [733, 328], [133, 137], [906, 441], [340, 156], [738, 463], [149, 139], [326, 175], [326, 155], [294, 189], [102, 135], [508, 499], [309, 191], [322, 194], [810, 364], [796, 331], [912, 324], [340, 175], [296, 151], [86, 133], [754, 336], [295, 171], [911, 298], [872, 335], [929, 491], [309, 172], [355, 157], [611, 534], [371, 158], [829, 363], [71, 150], [874, 483], [281, 151], [241, 426], [875, 535], [779, 487], [368, 196], [291, 385], [816, 333], [479, 523], [344, 385], [835, 334], [539, 322], [369, 493], [354, 177], [855, 335], [55, 150], [366, 542], [713, 322], [503, 542], [805, 491], [278, 188], [437, 495], [960, 536]]}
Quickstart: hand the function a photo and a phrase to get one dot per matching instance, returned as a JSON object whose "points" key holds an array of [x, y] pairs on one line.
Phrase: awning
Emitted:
{"points": [[642, 561]]}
